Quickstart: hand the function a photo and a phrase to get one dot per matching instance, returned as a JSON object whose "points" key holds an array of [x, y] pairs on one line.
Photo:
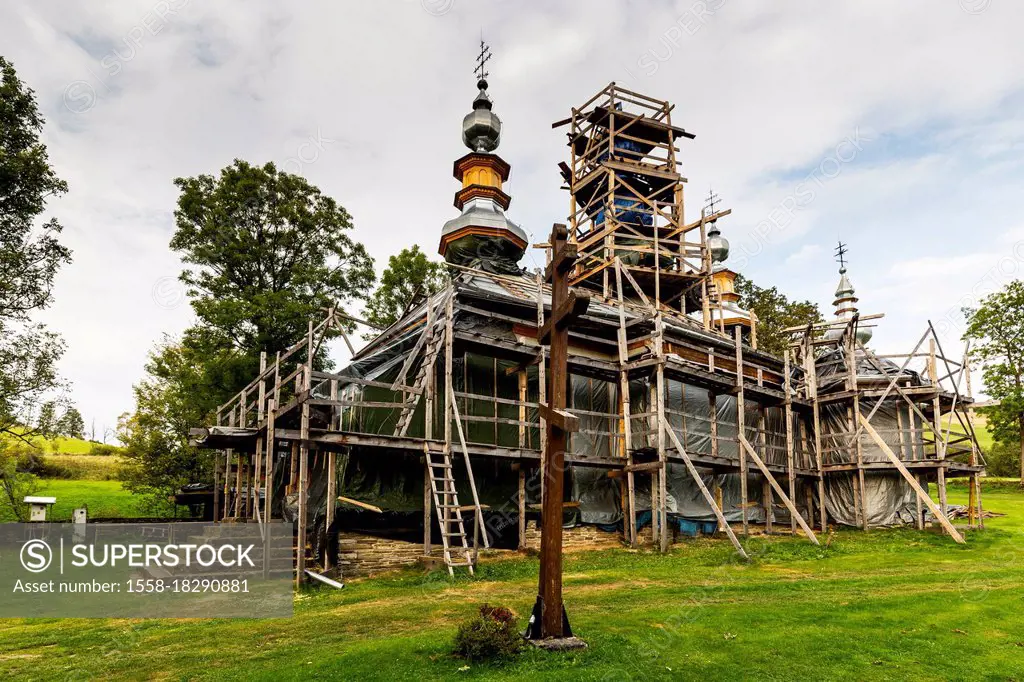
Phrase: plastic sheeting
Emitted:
{"points": [[889, 499]]}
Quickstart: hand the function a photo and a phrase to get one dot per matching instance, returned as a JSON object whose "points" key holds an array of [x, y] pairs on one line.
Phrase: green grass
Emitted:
{"points": [[887, 604], [105, 499], [82, 467]]}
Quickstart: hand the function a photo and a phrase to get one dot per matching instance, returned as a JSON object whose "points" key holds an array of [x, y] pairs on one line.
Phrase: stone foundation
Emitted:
{"points": [[576, 539], [363, 555]]}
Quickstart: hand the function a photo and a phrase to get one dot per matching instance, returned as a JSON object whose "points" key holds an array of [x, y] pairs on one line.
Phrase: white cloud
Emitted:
{"points": [[767, 89]]}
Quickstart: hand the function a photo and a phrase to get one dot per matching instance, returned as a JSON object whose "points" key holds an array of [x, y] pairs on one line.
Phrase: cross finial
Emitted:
{"points": [[481, 60], [712, 201], [841, 251]]}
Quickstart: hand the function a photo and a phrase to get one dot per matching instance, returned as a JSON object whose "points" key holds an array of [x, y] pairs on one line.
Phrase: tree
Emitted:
{"points": [[15, 484], [996, 328], [408, 276], [265, 253], [775, 312], [269, 251], [46, 422], [71, 424], [29, 256], [172, 399]]}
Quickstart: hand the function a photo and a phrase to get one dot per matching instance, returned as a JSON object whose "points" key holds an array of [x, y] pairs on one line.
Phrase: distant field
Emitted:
{"points": [[65, 446], [105, 499]]}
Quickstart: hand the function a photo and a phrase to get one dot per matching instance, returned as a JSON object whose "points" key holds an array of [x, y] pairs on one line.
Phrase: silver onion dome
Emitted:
{"points": [[481, 128], [717, 244]]}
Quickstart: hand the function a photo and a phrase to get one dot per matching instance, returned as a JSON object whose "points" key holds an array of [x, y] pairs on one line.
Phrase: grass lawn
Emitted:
{"points": [[105, 499], [888, 604]]}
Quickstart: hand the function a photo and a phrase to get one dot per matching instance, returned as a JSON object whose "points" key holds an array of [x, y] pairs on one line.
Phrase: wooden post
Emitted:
{"points": [[766, 490], [812, 387], [269, 467], [216, 481], [741, 427], [940, 448], [662, 392], [565, 307], [332, 484], [975, 480], [627, 426], [257, 472], [787, 414], [713, 411], [523, 395], [304, 459], [855, 432]]}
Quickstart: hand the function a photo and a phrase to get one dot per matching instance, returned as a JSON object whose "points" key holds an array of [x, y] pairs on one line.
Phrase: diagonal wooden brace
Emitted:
{"points": [[921, 493], [778, 489], [722, 523]]}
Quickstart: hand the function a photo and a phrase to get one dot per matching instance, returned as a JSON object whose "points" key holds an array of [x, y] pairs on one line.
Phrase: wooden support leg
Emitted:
{"points": [[821, 504], [655, 532], [332, 503], [809, 492], [717, 489], [302, 513], [427, 547], [522, 509], [766, 495], [919, 510]]}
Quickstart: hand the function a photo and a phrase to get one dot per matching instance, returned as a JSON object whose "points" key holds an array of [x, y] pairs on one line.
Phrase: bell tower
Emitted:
{"points": [[482, 236]]}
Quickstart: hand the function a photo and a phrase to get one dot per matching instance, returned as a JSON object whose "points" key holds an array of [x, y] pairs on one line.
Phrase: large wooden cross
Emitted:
{"points": [[549, 618]]}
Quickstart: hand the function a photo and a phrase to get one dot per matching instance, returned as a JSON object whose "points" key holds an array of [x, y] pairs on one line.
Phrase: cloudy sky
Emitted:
{"points": [[895, 126]]}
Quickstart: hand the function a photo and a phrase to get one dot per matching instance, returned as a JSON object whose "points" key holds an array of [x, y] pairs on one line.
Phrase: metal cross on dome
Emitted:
{"points": [[841, 251], [481, 60], [711, 201]]}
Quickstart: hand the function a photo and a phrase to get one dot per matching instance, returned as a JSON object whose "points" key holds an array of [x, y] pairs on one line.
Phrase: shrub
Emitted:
{"points": [[103, 450], [490, 636], [1003, 459]]}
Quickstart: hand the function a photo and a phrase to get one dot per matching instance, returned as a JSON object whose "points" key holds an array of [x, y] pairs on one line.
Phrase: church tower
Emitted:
{"points": [[482, 236]]}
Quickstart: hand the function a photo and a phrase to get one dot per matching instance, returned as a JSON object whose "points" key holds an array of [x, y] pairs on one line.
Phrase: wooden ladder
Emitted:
{"points": [[449, 513], [434, 341]]}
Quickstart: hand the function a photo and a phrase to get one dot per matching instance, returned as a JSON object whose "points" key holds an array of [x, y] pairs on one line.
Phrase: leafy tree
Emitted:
{"points": [[268, 252], [30, 256], [775, 312], [408, 276], [46, 422], [15, 483], [173, 398], [71, 424], [996, 328], [265, 252]]}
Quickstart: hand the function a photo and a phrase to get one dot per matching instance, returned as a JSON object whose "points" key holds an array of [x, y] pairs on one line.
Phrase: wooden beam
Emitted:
{"points": [[361, 505], [921, 493], [745, 444], [722, 523]]}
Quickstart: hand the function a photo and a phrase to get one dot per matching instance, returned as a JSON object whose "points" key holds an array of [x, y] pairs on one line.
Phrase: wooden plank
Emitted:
{"points": [[361, 505], [722, 523], [745, 444], [912, 481]]}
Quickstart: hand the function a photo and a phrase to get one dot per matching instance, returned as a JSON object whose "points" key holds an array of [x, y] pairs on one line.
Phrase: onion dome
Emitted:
{"points": [[717, 245], [481, 128]]}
